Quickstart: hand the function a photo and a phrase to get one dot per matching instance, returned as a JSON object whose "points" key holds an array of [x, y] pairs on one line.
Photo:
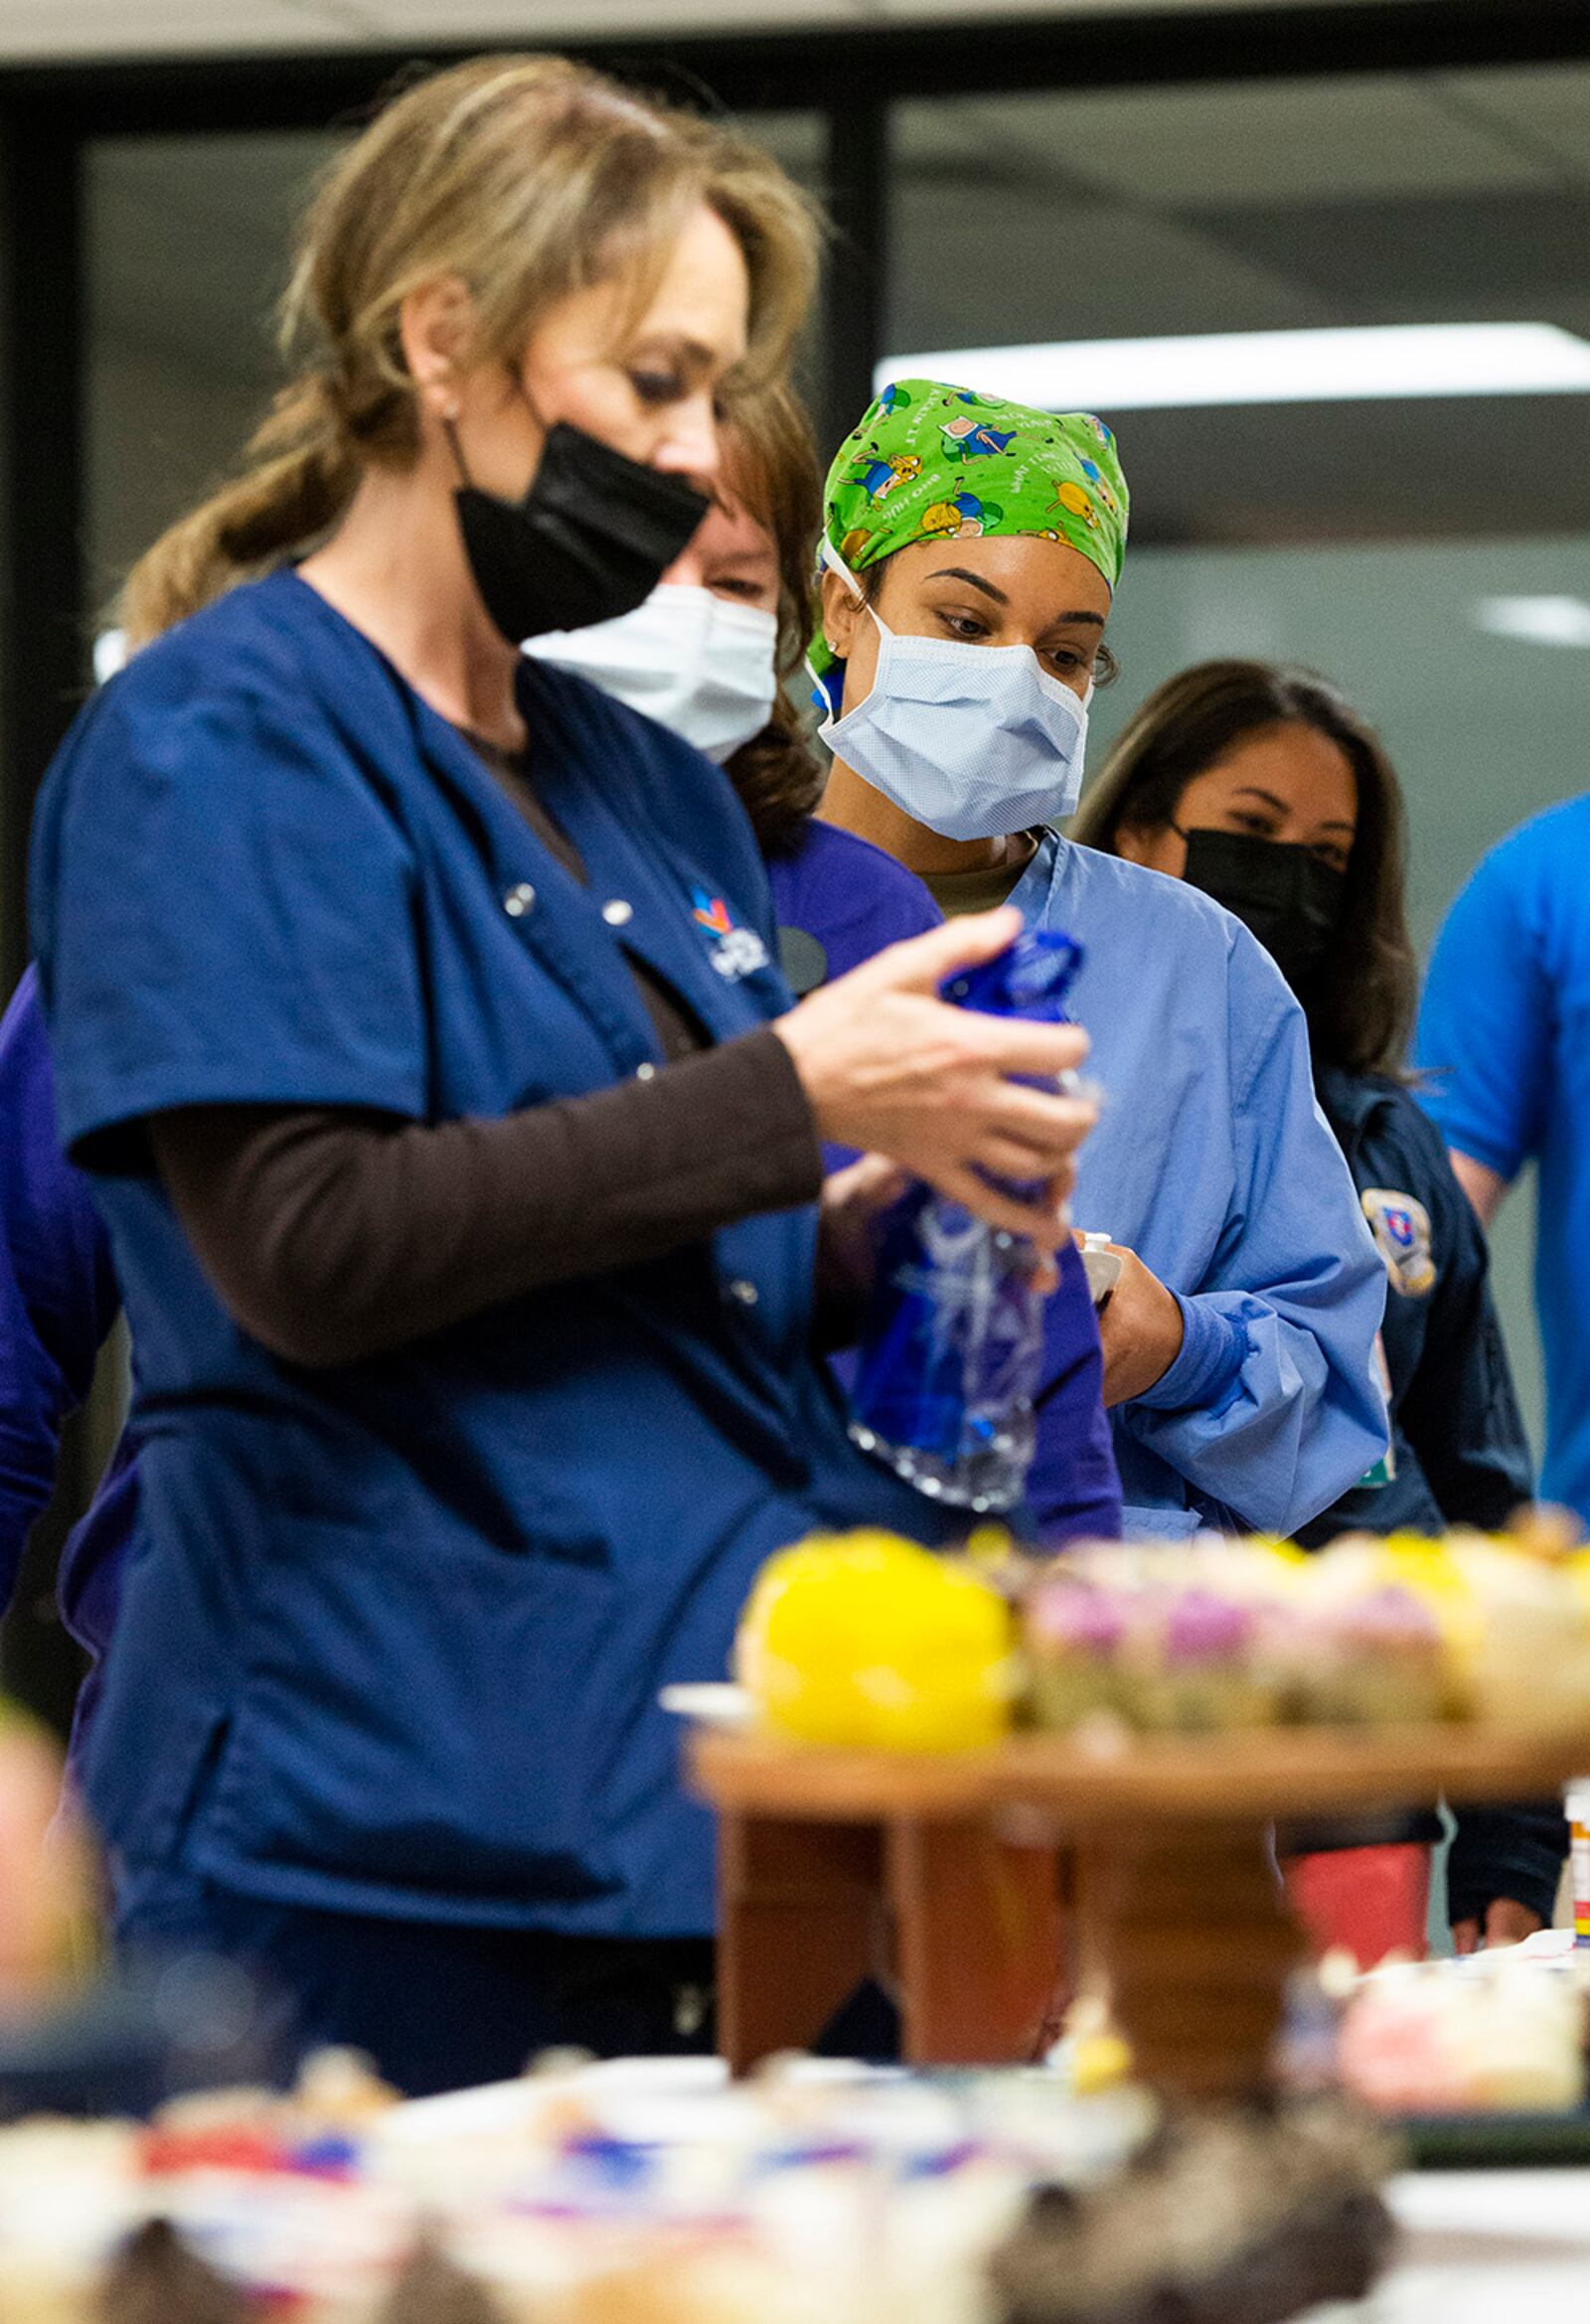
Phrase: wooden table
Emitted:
{"points": [[949, 1868]]}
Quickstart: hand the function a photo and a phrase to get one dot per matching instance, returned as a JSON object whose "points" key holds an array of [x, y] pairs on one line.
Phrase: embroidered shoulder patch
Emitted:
{"points": [[1401, 1230]]}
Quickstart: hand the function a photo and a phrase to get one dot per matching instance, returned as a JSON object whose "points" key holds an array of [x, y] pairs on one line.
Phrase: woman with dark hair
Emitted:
{"points": [[1266, 789], [1184, 790], [973, 548]]}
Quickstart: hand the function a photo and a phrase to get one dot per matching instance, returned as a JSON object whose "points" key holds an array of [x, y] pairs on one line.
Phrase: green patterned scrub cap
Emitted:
{"points": [[932, 462]]}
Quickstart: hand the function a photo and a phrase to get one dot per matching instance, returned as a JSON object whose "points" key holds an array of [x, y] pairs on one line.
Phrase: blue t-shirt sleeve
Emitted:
{"points": [[224, 907], [910, 911], [1485, 1026]]}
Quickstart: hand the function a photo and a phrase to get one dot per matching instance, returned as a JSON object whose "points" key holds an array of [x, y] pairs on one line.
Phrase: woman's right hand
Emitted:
{"points": [[890, 1068]]}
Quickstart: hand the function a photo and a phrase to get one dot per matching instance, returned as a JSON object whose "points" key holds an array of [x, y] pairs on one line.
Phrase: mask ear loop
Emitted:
{"points": [[829, 558], [449, 428], [532, 406]]}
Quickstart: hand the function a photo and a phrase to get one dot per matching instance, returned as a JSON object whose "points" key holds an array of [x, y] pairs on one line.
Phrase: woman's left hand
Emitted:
{"points": [[1506, 1923], [1140, 1328]]}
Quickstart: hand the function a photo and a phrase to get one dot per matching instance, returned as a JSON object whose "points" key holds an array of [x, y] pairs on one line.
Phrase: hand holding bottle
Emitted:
{"points": [[893, 1069]]}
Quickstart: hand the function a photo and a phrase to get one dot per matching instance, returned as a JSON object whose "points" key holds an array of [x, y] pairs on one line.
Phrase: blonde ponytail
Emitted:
{"points": [[298, 476], [528, 176]]}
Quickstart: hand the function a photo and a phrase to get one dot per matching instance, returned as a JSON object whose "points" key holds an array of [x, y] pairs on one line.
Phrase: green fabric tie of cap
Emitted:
{"points": [[932, 462]]}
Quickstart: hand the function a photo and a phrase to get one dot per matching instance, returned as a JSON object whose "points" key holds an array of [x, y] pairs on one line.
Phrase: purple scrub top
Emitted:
{"points": [[838, 901]]}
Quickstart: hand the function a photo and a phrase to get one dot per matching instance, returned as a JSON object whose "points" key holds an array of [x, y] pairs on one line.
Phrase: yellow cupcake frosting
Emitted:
{"points": [[866, 1640]]}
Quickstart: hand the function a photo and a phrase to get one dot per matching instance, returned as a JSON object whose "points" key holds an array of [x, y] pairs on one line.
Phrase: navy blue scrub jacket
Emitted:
{"points": [[392, 1635]]}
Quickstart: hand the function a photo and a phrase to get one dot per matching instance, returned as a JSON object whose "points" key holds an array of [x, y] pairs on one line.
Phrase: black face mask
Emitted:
{"points": [[591, 540], [1289, 899]]}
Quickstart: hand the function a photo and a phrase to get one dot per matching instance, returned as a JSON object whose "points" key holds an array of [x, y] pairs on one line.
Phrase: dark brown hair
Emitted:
{"points": [[1360, 1008], [770, 466]]}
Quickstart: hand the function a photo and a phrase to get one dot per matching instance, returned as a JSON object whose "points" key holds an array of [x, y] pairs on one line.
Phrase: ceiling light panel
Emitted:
{"points": [[1536, 621], [1394, 362], [69, 29], [920, 11]]}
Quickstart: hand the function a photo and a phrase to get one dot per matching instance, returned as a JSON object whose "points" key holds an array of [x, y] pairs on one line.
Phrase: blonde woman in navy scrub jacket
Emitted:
{"points": [[413, 1006]]}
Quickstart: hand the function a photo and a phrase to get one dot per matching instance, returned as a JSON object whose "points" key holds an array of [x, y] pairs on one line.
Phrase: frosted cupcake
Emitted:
{"points": [[1385, 1664], [1528, 1661], [1497, 2036], [1073, 1633], [1196, 1667]]}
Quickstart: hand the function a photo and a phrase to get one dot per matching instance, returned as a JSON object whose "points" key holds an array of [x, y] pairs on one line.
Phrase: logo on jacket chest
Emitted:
{"points": [[735, 952]]}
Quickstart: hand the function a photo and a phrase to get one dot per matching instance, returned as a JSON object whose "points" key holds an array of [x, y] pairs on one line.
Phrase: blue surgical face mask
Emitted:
{"points": [[972, 740]]}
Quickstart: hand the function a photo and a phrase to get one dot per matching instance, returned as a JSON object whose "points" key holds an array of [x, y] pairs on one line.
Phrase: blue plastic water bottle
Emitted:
{"points": [[952, 1349]]}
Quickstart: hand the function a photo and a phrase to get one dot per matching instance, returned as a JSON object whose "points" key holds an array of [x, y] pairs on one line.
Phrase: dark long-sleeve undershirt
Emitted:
{"points": [[335, 1234]]}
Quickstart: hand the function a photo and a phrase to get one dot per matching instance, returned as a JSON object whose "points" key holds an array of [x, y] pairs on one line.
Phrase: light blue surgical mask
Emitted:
{"points": [[972, 740]]}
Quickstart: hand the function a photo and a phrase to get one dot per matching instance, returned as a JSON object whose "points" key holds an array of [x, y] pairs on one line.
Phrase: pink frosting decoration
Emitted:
{"points": [[1390, 1617], [1066, 1614], [1201, 1628]]}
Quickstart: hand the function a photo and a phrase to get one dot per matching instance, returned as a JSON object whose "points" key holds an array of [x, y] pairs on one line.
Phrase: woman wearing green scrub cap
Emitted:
{"points": [[972, 550], [931, 472]]}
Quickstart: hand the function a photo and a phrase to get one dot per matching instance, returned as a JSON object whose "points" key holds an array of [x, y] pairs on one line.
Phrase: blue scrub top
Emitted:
{"points": [[59, 1299], [391, 1633], [839, 900], [1213, 1162], [59, 1296], [1504, 1038], [845, 899]]}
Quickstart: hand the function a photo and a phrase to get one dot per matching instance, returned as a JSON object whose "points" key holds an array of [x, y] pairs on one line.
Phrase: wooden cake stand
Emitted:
{"points": [[949, 1869]]}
